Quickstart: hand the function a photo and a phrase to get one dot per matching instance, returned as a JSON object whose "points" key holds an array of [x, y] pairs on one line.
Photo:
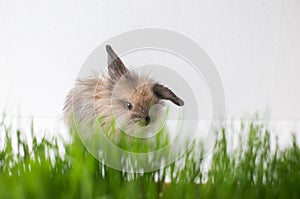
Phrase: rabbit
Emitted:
{"points": [[118, 93]]}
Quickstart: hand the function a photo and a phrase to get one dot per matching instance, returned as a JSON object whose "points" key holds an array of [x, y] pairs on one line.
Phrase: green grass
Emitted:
{"points": [[252, 170]]}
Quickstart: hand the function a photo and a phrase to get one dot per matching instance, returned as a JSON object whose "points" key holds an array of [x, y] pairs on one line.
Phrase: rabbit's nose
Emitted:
{"points": [[147, 120]]}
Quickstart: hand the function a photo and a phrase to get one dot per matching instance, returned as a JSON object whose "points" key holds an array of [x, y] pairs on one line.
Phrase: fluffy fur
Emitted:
{"points": [[118, 93]]}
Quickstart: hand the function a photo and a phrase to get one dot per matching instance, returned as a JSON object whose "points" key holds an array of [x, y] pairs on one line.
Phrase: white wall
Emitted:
{"points": [[254, 44]]}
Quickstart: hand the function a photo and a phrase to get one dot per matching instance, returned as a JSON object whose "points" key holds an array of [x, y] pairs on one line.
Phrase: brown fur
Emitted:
{"points": [[107, 96]]}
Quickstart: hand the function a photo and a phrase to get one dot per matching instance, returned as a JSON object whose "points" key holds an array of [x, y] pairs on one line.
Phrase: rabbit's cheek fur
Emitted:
{"points": [[143, 99]]}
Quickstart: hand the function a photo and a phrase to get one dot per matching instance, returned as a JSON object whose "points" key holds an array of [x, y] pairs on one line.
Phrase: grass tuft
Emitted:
{"points": [[37, 170]]}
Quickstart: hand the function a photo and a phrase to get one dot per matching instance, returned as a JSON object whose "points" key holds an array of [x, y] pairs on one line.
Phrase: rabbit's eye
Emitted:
{"points": [[128, 105]]}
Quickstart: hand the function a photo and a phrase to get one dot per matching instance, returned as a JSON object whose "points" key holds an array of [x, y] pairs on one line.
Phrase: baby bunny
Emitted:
{"points": [[118, 94]]}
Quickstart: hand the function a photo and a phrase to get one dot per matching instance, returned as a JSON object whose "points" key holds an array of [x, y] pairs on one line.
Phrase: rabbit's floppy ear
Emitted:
{"points": [[165, 93], [116, 68]]}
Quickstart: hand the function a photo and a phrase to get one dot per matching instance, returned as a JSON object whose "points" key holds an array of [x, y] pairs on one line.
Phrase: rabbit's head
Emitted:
{"points": [[134, 97]]}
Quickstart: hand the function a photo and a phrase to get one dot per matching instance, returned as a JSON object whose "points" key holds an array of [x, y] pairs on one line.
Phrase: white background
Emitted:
{"points": [[255, 45]]}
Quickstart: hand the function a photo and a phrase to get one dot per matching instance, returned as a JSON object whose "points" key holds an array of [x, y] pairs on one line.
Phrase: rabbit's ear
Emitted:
{"points": [[162, 92], [116, 68]]}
